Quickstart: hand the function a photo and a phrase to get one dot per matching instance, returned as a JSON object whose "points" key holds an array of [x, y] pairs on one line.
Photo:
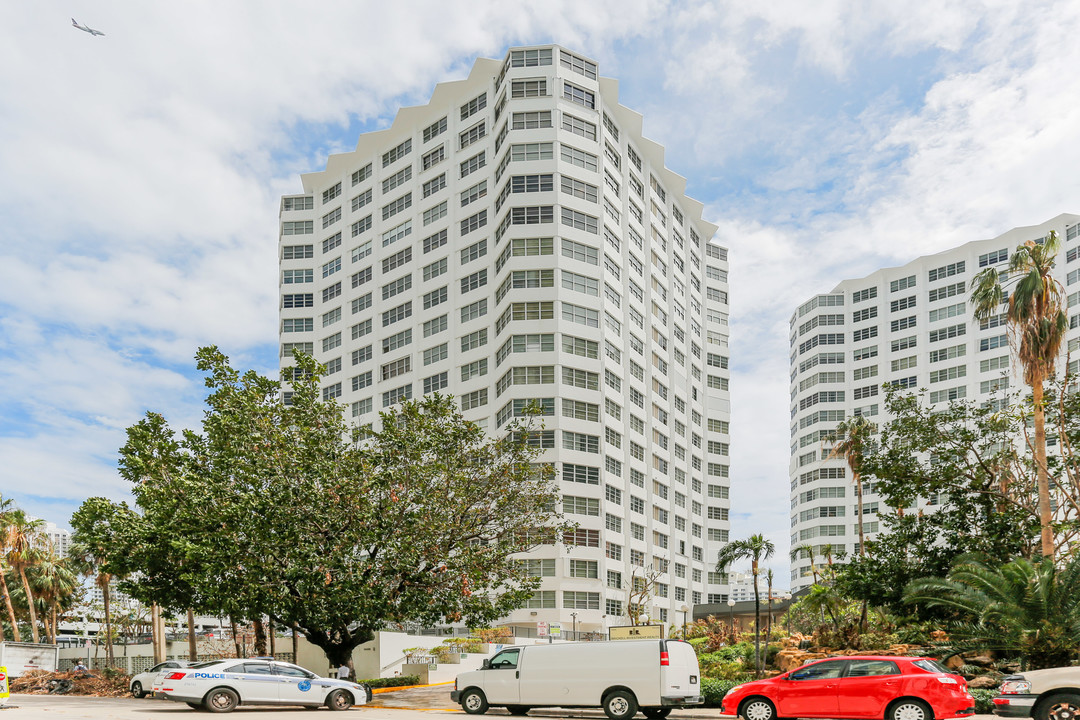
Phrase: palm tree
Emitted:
{"points": [[7, 510], [755, 549], [55, 582], [849, 441], [1037, 323], [806, 551], [1025, 608], [90, 563], [21, 536]]}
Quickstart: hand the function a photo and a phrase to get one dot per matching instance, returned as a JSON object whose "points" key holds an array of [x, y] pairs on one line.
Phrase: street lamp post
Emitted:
{"points": [[684, 610], [574, 616], [731, 617]]}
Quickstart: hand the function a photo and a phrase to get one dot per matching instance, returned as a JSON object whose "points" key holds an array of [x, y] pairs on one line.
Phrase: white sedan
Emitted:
{"points": [[222, 685]]}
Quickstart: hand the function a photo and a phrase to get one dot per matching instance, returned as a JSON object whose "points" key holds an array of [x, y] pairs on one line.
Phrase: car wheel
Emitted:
{"points": [[656, 713], [474, 702], [221, 700], [909, 709], [620, 705], [518, 709], [1059, 706], [339, 700], [757, 708], [137, 691]]}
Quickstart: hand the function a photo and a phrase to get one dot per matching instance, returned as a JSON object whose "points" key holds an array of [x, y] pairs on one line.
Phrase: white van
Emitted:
{"points": [[622, 677]]}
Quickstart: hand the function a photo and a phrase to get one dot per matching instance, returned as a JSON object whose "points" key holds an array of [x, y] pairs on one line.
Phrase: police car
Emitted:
{"points": [[222, 685]]}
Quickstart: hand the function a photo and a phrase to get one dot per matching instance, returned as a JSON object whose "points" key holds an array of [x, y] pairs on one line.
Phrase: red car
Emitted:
{"points": [[858, 686]]}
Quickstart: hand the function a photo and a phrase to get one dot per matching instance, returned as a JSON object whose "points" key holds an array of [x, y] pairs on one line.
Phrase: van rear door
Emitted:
{"points": [[680, 677]]}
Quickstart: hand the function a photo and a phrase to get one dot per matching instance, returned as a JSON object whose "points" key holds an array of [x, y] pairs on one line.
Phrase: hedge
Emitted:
{"points": [[983, 696], [400, 681]]}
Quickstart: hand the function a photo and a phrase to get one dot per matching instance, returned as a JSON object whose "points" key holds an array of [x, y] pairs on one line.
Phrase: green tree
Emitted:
{"points": [[960, 458], [756, 548], [94, 546], [285, 511], [1025, 608], [7, 511], [22, 534], [55, 585], [1037, 324]]}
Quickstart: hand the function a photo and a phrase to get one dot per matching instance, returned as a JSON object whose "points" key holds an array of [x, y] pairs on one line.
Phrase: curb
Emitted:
{"points": [[377, 691]]}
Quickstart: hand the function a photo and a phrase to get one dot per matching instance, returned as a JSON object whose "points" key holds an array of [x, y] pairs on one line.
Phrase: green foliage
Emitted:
{"points": [[401, 681], [1025, 608], [713, 690], [286, 511], [983, 700], [956, 455]]}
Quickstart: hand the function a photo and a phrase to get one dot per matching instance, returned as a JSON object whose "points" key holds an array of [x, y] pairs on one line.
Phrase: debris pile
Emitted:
{"points": [[43, 682]]}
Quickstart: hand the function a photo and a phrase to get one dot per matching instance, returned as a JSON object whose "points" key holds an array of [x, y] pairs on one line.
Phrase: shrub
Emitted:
{"points": [[983, 697], [713, 690], [400, 681]]}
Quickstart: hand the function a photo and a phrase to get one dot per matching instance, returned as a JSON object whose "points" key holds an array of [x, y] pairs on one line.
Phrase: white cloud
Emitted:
{"points": [[140, 173]]}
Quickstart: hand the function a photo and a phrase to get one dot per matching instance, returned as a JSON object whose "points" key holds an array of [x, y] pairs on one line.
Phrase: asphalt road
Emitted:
{"points": [[390, 706]]}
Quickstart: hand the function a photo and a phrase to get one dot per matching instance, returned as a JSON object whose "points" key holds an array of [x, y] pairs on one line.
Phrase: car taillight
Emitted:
{"points": [[945, 680], [664, 660], [175, 675], [1015, 687]]}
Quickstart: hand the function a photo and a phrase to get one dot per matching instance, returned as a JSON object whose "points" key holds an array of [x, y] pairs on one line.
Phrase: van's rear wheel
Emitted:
{"points": [[620, 705], [656, 713], [518, 709], [474, 702]]}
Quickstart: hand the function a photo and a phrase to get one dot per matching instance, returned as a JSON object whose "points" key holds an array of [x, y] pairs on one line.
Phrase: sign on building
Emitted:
{"points": [[636, 632]]}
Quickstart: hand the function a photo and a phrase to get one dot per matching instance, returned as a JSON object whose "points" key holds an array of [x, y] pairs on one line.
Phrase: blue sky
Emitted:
{"points": [[141, 173]]}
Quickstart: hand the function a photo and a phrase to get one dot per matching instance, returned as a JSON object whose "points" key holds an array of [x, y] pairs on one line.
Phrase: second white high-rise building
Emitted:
{"points": [[517, 240], [911, 326]]}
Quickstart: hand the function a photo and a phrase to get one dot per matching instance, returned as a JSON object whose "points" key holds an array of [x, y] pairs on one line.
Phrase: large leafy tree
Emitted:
{"points": [[1037, 323], [756, 549], [97, 553], [1026, 608], [962, 458], [285, 511]]}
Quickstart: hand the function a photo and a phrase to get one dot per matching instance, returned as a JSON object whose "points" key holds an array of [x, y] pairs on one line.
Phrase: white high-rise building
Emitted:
{"points": [[59, 539], [909, 325], [516, 239]]}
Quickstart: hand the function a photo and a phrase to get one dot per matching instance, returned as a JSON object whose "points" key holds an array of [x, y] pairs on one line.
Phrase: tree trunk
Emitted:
{"points": [[10, 609], [1042, 480], [757, 624], [193, 650], [270, 632], [260, 636], [155, 633], [859, 510], [338, 645], [30, 605], [108, 625], [295, 642], [55, 622], [235, 636]]}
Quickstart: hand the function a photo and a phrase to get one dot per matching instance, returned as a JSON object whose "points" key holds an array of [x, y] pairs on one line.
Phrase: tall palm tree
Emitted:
{"points": [[755, 549], [7, 509], [849, 441], [22, 535], [1025, 608], [90, 561], [1037, 323]]}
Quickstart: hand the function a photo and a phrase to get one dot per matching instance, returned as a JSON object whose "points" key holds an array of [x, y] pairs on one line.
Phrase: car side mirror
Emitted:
{"points": [[486, 665]]}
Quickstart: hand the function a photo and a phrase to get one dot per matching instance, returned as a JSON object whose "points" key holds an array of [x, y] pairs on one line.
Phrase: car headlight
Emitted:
{"points": [[1015, 687], [731, 690]]}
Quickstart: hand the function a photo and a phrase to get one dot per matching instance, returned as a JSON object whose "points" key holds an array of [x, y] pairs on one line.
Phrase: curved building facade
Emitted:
{"points": [[909, 325], [516, 239]]}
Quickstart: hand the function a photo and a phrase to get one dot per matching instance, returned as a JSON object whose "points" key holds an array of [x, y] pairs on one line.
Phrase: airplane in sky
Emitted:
{"points": [[86, 28]]}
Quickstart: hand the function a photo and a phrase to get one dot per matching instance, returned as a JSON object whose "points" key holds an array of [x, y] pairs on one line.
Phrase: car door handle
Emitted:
{"points": [[517, 674]]}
